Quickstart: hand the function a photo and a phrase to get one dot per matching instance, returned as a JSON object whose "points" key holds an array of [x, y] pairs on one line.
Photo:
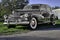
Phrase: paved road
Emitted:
{"points": [[40, 34]]}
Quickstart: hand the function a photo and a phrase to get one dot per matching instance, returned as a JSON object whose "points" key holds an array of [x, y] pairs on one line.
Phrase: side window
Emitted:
{"points": [[44, 11], [42, 7], [48, 8], [35, 7], [27, 7]]}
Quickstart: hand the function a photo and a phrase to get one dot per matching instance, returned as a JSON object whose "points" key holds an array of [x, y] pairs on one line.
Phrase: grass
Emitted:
{"points": [[5, 30], [58, 22]]}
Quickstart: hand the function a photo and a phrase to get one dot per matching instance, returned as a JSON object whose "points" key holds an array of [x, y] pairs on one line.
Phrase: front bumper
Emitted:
{"points": [[15, 23]]}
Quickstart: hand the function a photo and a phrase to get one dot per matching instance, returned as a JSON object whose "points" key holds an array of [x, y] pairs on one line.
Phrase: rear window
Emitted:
{"points": [[35, 7], [48, 8], [42, 7], [27, 7]]}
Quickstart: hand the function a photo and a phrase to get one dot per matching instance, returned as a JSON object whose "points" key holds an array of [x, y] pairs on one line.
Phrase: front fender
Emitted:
{"points": [[38, 16]]}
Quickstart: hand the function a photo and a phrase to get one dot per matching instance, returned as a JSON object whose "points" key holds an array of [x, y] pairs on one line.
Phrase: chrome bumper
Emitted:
{"points": [[13, 23]]}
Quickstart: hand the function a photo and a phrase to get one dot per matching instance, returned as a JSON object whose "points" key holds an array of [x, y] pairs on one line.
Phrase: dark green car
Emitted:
{"points": [[31, 15]]}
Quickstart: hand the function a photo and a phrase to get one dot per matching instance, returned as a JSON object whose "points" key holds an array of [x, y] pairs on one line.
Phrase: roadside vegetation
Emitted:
{"points": [[58, 22], [4, 30]]}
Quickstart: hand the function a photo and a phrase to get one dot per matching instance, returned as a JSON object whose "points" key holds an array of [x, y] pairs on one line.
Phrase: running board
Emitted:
{"points": [[16, 23], [44, 22]]}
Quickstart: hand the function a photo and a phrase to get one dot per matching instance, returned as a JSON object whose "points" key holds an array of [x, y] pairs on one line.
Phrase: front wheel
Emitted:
{"points": [[33, 23]]}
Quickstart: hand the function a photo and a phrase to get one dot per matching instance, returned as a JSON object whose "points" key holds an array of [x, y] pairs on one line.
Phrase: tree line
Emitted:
{"points": [[7, 6], [56, 7]]}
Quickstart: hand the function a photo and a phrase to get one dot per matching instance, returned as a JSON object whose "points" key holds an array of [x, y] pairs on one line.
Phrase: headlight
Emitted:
{"points": [[5, 16], [10, 16], [26, 15], [13, 12]]}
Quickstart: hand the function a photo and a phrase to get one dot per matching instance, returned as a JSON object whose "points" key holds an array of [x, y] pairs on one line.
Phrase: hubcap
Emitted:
{"points": [[33, 23], [53, 23]]}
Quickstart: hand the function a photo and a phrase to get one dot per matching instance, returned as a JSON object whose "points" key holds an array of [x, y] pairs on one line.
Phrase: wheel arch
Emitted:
{"points": [[35, 17]]}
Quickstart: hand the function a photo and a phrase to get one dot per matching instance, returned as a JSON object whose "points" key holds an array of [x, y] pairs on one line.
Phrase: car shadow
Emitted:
{"points": [[48, 27], [42, 27]]}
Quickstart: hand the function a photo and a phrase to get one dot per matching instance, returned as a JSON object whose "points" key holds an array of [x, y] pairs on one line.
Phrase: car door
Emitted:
{"points": [[49, 12], [44, 12]]}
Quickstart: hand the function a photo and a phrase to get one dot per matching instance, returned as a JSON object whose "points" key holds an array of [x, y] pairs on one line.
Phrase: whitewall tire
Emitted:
{"points": [[33, 23]]}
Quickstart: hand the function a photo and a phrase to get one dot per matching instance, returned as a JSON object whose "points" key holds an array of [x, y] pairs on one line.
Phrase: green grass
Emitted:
{"points": [[5, 30], [58, 22]]}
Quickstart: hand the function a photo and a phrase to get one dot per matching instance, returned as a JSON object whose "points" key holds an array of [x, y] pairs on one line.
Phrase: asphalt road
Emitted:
{"points": [[43, 33]]}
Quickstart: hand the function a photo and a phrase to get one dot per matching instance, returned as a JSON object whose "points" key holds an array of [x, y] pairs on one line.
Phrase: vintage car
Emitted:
{"points": [[31, 15]]}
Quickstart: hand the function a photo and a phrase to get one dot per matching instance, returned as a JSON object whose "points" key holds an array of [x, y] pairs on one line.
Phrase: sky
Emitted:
{"points": [[0, 0], [49, 2]]}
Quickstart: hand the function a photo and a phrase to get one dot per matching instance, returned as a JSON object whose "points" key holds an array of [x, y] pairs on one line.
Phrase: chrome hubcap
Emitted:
{"points": [[33, 23]]}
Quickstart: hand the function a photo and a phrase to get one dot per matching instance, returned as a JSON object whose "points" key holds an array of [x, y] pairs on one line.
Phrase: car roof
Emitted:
{"points": [[39, 4]]}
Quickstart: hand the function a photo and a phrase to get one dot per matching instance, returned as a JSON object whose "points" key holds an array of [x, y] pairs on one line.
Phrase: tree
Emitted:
{"points": [[56, 7], [21, 3], [9, 5]]}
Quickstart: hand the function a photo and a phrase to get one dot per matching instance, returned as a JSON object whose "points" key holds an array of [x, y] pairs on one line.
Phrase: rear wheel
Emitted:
{"points": [[53, 23], [52, 19], [33, 23]]}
